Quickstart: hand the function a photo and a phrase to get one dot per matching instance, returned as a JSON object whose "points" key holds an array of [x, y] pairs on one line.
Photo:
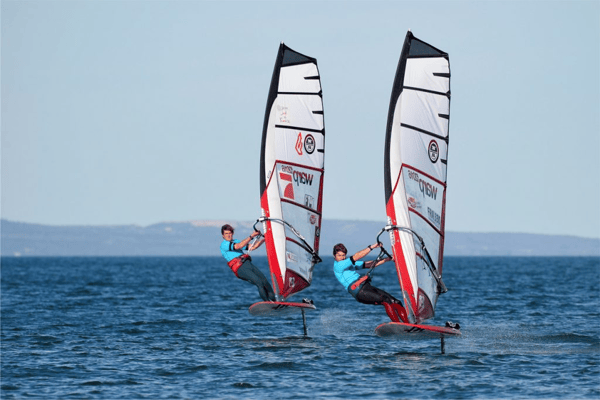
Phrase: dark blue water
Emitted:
{"points": [[110, 328]]}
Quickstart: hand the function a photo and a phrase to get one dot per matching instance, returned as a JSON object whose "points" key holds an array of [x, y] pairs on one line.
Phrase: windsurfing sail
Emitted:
{"points": [[291, 171], [415, 162]]}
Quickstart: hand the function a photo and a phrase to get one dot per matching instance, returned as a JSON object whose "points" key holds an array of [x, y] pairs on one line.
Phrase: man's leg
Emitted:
{"points": [[249, 272]]}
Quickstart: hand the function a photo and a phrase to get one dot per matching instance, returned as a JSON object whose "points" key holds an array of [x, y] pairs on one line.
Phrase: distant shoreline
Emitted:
{"points": [[202, 238]]}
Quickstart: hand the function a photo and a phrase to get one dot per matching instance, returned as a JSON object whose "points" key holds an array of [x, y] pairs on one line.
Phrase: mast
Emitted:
{"points": [[415, 162], [291, 171]]}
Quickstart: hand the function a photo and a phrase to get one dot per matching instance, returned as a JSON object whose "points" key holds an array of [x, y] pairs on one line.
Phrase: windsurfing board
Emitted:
{"points": [[267, 308], [399, 330]]}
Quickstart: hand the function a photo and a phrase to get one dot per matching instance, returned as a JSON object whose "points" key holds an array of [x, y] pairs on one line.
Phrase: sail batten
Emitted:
{"points": [[299, 128], [414, 128], [447, 94], [301, 93], [291, 172], [415, 163]]}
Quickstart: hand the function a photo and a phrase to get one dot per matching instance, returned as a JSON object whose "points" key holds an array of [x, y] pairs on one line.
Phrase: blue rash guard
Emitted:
{"points": [[228, 250], [345, 271]]}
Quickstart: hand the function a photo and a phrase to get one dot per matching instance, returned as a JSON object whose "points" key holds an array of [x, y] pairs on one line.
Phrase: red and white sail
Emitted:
{"points": [[291, 171], [416, 153]]}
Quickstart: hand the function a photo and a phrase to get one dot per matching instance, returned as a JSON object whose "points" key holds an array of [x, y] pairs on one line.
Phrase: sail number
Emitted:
{"points": [[434, 217]]}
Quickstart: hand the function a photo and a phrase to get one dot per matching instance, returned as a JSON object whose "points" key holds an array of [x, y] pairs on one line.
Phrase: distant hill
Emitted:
{"points": [[202, 238]]}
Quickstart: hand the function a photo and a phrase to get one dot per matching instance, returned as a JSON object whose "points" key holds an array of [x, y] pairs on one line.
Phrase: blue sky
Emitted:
{"points": [[131, 112]]}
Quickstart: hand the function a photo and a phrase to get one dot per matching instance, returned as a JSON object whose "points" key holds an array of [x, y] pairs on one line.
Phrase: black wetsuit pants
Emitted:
{"points": [[249, 272], [371, 295]]}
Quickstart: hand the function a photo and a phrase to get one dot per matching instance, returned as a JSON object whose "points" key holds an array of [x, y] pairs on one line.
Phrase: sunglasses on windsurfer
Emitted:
{"points": [[241, 263], [359, 286]]}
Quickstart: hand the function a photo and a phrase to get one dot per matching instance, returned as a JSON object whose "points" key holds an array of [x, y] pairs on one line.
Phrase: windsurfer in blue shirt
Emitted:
{"points": [[359, 286], [241, 264]]}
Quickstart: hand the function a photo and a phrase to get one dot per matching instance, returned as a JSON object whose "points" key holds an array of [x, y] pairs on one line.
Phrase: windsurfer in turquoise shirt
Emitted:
{"points": [[359, 286], [241, 264]]}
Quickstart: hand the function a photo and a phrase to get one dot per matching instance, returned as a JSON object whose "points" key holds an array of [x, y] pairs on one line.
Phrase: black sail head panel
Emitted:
{"points": [[419, 48], [291, 57]]}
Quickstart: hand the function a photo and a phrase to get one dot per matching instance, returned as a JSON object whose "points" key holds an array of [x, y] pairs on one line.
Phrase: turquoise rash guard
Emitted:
{"points": [[228, 250], [345, 271]]}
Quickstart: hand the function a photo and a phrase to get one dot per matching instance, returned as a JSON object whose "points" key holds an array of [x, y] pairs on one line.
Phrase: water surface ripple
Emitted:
{"points": [[125, 328]]}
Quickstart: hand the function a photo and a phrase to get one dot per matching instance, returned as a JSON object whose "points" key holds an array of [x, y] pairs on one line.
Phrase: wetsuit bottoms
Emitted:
{"points": [[393, 307], [249, 272], [371, 295]]}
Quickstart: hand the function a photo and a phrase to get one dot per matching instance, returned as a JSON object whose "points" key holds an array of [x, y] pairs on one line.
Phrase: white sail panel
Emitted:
{"points": [[415, 173], [298, 132], [290, 112], [293, 79], [292, 160], [419, 149], [428, 74], [422, 109]]}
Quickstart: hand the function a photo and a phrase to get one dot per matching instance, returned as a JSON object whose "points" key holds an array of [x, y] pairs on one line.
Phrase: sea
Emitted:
{"points": [[179, 328]]}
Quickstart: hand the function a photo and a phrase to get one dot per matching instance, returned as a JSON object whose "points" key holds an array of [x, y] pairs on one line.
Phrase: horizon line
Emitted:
{"points": [[220, 222]]}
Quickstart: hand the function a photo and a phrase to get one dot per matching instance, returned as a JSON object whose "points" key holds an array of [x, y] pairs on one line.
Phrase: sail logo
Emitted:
{"points": [[288, 176], [413, 203], [302, 178], [309, 201], [288, 192], [291, 257], [309, 144], [434, 217], [428, 189], [299, 144], [434, 151], [414, 176], [283, 114]]}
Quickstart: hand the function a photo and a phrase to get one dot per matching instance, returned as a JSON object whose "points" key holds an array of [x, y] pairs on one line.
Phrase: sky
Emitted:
{"points": [[139, 112]]}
